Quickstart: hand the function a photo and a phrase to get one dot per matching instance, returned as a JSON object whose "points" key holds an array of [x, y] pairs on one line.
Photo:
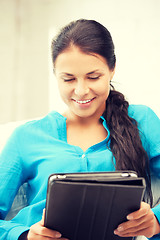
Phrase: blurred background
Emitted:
{"points": [[28, 88]]}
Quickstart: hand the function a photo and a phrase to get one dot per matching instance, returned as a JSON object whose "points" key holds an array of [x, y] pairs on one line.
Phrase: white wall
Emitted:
{"points": [[27, 86], [134, 25]]}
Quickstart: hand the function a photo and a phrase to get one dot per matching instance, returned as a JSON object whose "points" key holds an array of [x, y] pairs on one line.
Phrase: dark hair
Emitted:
{"points": [[90, 36], [125, 142]]}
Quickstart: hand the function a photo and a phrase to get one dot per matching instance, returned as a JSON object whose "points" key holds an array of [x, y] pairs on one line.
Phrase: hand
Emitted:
{"points": [[39, 232], [142, 222]]}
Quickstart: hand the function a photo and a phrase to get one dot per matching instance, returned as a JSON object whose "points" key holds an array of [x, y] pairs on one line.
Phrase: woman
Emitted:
{"points": [[98, 132]]}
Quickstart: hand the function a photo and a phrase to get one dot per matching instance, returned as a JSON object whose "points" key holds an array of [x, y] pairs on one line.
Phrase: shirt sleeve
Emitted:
{"points": [[153, 138], [11, 178], [149, 129], [153, 150]]}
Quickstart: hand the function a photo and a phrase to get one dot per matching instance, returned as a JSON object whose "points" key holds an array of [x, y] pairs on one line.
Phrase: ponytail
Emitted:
{"points": [[125, 142]]}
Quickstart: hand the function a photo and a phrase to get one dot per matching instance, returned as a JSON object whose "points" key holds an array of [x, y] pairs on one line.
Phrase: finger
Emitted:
{"points": [[134, 227], [46, 232], [39, 229], [141, 227], [43, 216], [144, 209], [136, 223], [38, 237], [147, 232]]}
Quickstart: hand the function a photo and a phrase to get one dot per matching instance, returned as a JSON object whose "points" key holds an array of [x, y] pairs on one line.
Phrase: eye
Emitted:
{"points": [[94, 78], [68, 79]]}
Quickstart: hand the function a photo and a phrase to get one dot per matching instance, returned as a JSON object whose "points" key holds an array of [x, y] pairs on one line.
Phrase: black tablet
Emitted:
{"points": [[90, 206]]}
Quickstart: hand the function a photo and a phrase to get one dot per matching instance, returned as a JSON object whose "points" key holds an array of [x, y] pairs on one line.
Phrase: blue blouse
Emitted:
{"points": [[39, 148]]}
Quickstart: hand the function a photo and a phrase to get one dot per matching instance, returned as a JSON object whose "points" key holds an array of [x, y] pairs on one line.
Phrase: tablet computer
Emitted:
{"points": [[90, 206]]}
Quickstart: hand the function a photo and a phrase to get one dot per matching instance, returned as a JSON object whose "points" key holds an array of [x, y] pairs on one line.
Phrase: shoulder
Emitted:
{"points": [[48, 124], [142, 113], [148, 121], [137, 110], [148, 124]]}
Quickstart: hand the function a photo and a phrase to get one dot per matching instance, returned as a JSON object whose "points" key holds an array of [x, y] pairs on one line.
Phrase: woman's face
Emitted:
{"points": [[84, 82]]}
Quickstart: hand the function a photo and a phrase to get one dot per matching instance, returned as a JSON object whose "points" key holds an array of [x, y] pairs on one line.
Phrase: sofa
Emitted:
{"points": [[21, 199]]}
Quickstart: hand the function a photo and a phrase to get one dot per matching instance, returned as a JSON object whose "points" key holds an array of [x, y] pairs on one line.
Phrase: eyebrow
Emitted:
{"points": [[92, 72], [70, 75]]}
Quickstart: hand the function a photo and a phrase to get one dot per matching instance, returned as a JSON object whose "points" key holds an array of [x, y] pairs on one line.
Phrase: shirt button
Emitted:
{"points": [[83, 156]]}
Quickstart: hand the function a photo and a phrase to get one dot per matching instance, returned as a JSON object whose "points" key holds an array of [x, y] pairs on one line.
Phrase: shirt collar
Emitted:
{"points": [[105, 125]]}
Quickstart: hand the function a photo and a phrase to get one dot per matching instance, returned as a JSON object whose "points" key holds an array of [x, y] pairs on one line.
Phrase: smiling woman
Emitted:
{"points": [[98, 132], [84, 82]]}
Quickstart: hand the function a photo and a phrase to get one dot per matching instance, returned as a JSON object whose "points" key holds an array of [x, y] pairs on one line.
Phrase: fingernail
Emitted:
{"points": [[58, 235], [119, 229], [129, 217], [115, 232]]}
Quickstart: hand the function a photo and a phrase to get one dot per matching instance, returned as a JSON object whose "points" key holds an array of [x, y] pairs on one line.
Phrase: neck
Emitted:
{"points": [[82, 121]]}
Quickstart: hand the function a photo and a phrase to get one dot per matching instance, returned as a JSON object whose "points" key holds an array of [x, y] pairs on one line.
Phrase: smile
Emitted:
{"points": [[83, 101]]}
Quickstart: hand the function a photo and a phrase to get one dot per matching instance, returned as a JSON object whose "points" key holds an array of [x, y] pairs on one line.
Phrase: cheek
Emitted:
{"points": [[103, 89], [65, 92], [105, 94]]}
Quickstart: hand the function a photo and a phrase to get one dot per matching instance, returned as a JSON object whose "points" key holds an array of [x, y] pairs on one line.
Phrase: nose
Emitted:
{"points": [[81, 88]]}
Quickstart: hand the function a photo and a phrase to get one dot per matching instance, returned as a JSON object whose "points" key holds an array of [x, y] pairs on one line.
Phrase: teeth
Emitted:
{"points": [[83, 101]]}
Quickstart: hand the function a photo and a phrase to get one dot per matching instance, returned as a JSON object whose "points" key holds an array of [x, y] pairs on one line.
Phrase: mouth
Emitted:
{"points": [[83, 101]]}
